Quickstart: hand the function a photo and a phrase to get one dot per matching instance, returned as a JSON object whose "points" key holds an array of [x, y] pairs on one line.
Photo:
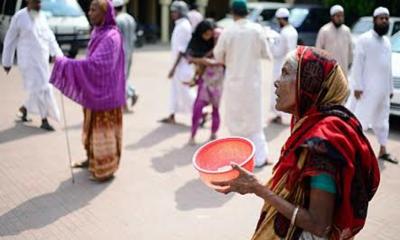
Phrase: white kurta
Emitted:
{"points": [[372, 74], [284, 43], [241, 47], [182, 97], [35, 43], [338, 42], [195, 18], [127, 25]]}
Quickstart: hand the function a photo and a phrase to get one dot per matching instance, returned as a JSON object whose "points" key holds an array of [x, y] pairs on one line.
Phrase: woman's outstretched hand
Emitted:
{"points": [[245, 183]]}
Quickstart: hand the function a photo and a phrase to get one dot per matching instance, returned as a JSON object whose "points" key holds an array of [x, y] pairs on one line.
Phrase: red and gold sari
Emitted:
{"points": [[325, 139]]}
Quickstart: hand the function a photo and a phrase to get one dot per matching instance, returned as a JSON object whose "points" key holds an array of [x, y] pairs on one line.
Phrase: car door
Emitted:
{"points": [[7, 9], [396, 27]]}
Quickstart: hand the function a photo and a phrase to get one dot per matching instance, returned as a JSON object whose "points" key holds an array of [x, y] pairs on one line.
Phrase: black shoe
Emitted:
{"points": [[24, 114], [84, 164], [46, 126], [389, 158], [134, 99]]}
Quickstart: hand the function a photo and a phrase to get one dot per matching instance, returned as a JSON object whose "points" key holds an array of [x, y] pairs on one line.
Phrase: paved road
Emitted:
{"points": [[156, 193]]}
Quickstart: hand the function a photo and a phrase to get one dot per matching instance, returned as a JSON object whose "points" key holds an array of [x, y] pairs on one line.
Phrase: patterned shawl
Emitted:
{"points": [[326, 138], [98, 81]]}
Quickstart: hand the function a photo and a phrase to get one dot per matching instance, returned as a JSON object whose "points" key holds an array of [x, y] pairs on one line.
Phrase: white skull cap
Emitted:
{"points": [[282, 13], [118, 3], [381, 11], [336, 9]]}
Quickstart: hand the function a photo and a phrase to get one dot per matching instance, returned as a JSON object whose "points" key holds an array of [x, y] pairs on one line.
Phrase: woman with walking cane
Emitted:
{"points": [[98, 84]]}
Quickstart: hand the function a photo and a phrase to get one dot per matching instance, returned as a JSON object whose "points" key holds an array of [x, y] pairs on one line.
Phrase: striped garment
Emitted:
{"points": [[102, 138]]}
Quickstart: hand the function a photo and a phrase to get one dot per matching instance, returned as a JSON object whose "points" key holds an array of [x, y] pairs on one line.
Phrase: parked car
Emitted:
{"points": [[308, 19], [365, 24], [395, 102], [65, 17], [260, 12]]}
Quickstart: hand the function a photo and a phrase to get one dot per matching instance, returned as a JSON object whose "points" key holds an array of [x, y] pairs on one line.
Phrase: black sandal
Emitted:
{"points": [[389, 158], [84, 164]]}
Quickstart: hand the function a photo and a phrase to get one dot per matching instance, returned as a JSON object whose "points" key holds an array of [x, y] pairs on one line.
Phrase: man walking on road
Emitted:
{"points": [[241, 48], [31, 36], [281, 45], [335, 37], [373, 83], [182, 97], [127, 25]]}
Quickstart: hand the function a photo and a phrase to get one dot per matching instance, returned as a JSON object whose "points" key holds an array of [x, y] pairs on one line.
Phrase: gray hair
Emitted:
{"points": [[292, 60], [181, 7]]}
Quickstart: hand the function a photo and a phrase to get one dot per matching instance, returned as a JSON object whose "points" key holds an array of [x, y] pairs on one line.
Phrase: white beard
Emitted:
{"points": [[34, 14]]}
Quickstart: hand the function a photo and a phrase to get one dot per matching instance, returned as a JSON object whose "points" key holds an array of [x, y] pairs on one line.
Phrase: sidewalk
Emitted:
{"points": [[156, 193]]}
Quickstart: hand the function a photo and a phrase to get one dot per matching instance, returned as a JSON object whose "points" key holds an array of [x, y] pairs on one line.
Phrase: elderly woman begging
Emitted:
{"points": [[327, 172]]}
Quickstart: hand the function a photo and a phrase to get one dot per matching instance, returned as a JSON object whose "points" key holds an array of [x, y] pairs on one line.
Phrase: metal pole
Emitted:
{"points": [[67, 139]]}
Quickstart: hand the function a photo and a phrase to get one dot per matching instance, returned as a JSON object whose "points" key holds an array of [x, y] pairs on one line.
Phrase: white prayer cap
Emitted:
{"points": [[336, 9], [282, 13], [118, 3], [381, 11]]}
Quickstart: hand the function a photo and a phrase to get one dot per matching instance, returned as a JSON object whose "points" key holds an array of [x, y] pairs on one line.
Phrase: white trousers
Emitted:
{"points": [[372, 114], [43, 103], [182, 97], [261, 146]]}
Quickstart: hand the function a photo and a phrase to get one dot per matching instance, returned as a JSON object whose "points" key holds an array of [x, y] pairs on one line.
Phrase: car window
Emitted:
{"points": [[312, 21], [322, 17], [362, 26], [268, 14], [8, 7], [62, 8], [297, 16], [23, 4], [396, 27], [253, 14], [396, 43]]}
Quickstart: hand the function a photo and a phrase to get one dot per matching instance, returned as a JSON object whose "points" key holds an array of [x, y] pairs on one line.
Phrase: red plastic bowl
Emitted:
{"points": [[213, 160]]}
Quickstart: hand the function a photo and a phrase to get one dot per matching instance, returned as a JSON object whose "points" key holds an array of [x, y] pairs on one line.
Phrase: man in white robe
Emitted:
{"points": [[182, 97], [195, 17], [281, 45], [241, 48], [335, 37], [372, 85], [127, 25], [31, 36]]}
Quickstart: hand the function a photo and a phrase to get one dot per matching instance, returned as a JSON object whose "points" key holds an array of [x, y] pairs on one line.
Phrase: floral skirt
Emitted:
{"points": [[102, 139]]}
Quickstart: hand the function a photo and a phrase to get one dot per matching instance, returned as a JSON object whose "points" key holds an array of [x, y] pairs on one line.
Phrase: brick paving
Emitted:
{"points": [[156, 193]]}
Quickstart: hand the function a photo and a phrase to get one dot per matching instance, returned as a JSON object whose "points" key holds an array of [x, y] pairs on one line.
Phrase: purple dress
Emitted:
{"points": [[98, 81], [209, 92]]}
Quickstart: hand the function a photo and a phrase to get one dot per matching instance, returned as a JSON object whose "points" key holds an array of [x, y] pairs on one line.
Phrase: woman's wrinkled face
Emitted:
{"points": [[286, 90], [207, 35], [96, 14]]}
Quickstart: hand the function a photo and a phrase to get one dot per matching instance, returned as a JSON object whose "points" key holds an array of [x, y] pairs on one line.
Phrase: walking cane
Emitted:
{"points": [[67, 139]]}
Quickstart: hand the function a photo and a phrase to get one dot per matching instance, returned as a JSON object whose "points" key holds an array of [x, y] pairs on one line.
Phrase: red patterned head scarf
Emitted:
{"points": [[320, 81]]}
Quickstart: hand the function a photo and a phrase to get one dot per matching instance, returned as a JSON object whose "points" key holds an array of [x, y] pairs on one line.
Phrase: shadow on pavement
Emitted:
{"points": [[46, 209], [19, 131], [161, 133], [273, 130], [175, 158], [195, 194]]}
